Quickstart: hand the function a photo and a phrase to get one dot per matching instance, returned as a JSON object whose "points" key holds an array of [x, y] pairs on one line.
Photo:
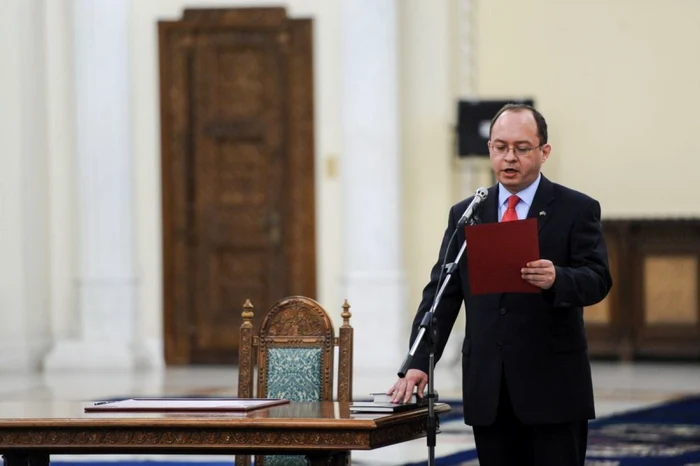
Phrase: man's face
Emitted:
{"points": [[512, 135]]}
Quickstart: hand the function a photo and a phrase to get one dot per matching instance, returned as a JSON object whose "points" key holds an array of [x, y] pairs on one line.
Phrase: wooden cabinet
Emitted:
{"points": [[652, 310]]}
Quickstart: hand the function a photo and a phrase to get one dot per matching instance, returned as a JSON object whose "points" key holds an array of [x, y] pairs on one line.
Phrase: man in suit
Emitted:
{"points": [[526, 377]]}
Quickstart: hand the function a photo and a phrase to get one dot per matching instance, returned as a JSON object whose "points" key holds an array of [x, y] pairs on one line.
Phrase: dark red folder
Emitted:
{"points": [[496, 252]]}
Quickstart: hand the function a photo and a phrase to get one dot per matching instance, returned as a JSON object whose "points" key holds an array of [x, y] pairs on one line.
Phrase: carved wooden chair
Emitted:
{"points": [[294, 352]]}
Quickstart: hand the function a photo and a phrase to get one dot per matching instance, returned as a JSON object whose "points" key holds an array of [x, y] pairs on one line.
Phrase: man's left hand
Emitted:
{"points": [[540, 273]]}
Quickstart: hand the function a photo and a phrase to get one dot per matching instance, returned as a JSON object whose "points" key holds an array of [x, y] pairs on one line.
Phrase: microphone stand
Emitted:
{"points": [[428, 326]]}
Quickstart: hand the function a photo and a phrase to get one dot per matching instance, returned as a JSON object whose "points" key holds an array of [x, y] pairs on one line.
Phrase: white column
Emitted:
{"points": [[106, 285], [470, 173], [428, 115], [373, 278], [24, 281], [62, 168]]}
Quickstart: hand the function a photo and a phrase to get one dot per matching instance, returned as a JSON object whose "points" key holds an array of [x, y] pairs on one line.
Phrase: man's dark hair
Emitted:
{"points": [[539, 119]]}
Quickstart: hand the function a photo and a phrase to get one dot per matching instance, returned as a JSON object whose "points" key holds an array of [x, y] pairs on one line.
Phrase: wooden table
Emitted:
{"points": [[30, 432]]}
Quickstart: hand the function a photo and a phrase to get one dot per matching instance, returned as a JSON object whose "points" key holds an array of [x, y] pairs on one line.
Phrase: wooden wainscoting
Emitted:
{"points": [[652, 310]]}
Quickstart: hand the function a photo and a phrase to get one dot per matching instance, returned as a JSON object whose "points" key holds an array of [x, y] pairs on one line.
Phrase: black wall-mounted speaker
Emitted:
{"points": [[473, 122]]}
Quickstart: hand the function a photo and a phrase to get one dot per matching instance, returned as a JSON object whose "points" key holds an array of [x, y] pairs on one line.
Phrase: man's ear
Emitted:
{"points": [[546, 149]]}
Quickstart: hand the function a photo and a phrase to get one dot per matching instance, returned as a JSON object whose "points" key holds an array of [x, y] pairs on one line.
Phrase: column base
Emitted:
{"points": [[87, 385], [21, 357], [89, 355], [149, 354]]}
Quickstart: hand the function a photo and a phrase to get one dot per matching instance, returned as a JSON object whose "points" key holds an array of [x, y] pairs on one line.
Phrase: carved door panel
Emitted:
{"points": [[236, 185]]}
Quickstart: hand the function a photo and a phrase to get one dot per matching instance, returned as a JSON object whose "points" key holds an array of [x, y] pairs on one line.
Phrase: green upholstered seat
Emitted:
{"points": [[294, 353]]}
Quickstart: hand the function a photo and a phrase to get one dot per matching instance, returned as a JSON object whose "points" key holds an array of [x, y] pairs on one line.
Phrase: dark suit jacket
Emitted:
{"points": [[537, 340]]}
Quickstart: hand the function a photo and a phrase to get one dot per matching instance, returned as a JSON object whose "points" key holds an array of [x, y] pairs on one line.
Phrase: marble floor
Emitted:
{"points": [[618, 387]]}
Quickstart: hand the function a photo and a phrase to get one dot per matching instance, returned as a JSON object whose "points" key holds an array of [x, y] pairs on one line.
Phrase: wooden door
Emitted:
{"points": [[237, 159]]}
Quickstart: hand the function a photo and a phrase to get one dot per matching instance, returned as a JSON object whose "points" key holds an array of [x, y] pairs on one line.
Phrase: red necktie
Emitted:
{"points": [[510, 214]]}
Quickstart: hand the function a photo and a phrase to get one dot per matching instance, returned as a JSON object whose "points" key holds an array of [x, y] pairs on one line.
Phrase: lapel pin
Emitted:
{"points": [[542, 213]]}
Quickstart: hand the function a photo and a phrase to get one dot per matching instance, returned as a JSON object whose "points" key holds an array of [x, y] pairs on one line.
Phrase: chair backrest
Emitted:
{"points": [[294, 352]]}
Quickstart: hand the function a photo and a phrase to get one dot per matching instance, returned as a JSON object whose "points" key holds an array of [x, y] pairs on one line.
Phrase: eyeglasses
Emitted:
{"points": [[520, 151]]}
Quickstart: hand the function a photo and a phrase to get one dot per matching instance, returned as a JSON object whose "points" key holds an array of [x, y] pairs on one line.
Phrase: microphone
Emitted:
{"points": [[479, 197]]}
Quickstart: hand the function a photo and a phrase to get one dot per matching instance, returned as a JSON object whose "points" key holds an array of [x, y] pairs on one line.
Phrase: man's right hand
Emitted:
{"points": [[402, 390]]}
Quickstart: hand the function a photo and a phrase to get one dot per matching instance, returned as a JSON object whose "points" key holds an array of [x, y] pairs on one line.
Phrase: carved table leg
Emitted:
{"points": [[329, 459], [242, 460], [26, 459]]}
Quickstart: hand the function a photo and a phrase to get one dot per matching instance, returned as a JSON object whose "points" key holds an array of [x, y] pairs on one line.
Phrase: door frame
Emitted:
{"points": [[299, 228]]}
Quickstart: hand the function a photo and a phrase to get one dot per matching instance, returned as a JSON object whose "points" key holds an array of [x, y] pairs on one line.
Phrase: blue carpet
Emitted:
{"points": [[668, 435]]}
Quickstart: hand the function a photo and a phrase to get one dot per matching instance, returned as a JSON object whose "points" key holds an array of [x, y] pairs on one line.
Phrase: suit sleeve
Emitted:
{"points": [[450, 302], [586, 280]]}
